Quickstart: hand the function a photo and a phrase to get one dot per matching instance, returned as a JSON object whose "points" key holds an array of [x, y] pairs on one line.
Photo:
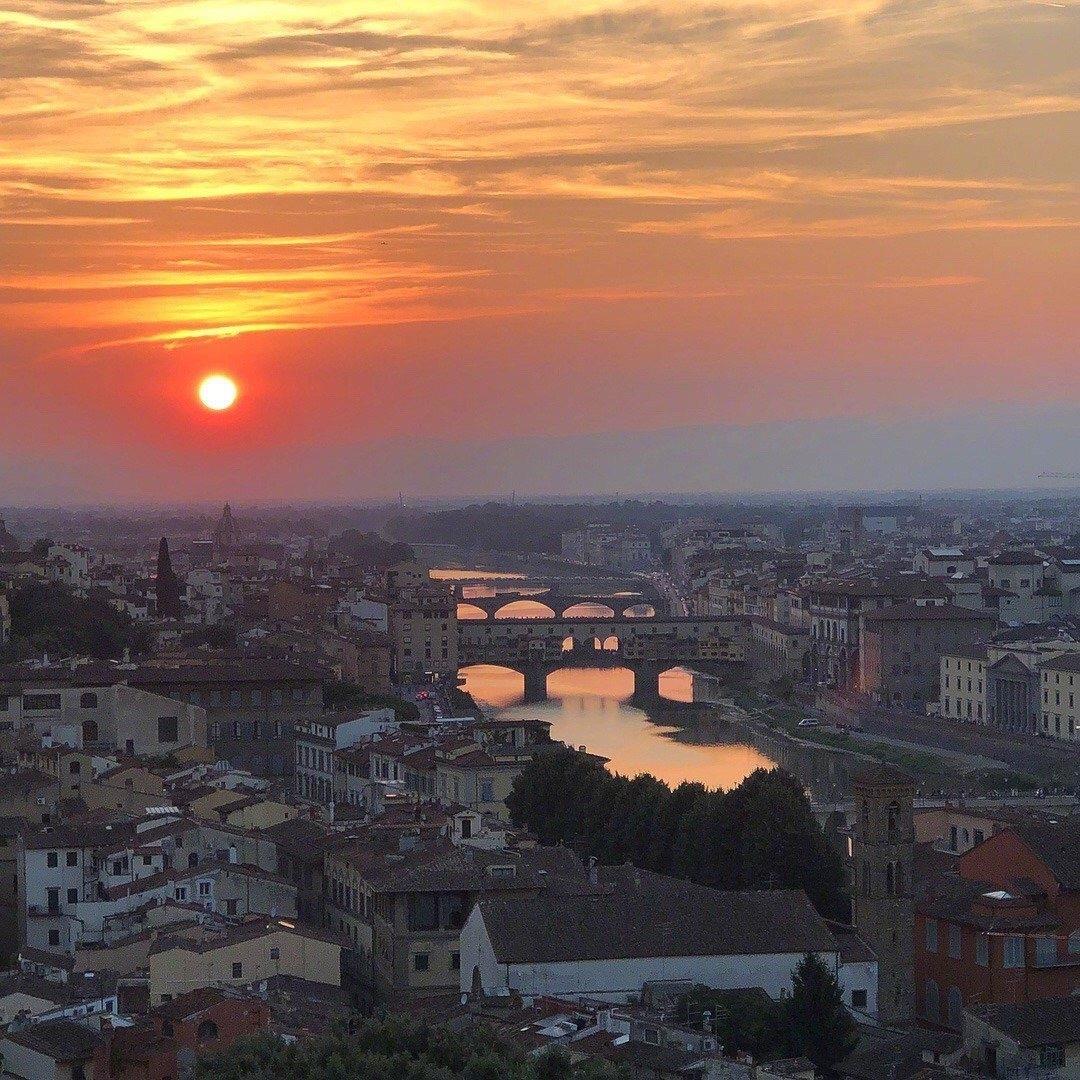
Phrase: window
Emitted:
{"points": [[931, 935], [52, 859], [1014, 951], [1045, 951], [858, 999], [74, 767], [204, 888], [275, 953], [954, 941], [54, 937], [421, 961], [956, 1008], [73, 896], [931, 1003], [88, 701], [167, 729], [41, 702], [982, 950], [181, 892], [72, 858], [237, 970], [455, 962]]}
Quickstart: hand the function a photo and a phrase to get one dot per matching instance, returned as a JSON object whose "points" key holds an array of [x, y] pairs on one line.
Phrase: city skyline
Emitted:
{"points": [[466, 249]]}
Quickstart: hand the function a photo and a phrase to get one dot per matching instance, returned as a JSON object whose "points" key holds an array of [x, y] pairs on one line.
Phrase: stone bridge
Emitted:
{"points": [[560, 603], [648, 647]]}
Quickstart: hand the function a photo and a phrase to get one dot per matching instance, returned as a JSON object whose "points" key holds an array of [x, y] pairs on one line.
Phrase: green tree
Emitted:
{"points": [[763, 834], [818, 1024], [47, 617]]}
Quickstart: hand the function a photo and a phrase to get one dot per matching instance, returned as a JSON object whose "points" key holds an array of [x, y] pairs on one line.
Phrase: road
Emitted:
{"points": [[1027, 753]]}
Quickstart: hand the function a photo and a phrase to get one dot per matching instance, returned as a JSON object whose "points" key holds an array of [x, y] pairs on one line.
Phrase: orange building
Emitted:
{"points": [[1004, 928]]}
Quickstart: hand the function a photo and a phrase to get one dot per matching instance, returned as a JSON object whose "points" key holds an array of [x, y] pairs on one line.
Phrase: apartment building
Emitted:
{"points": [[1059, 697], [245, 954], [902, 646], [423, 630], [1004, 927]]}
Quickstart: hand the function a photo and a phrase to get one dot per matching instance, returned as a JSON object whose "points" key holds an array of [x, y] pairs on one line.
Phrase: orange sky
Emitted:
{"points": [[495, 220]]}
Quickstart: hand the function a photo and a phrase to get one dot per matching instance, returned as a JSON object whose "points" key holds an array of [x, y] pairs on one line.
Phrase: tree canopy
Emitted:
{"points": [[379, 1049], [47, 617], [370, 550], [761, 834], [812, 1022]]}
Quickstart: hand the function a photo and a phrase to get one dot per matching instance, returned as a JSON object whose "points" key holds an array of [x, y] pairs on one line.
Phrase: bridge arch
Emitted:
{"points": [[639, 611], [470, 612], [611, 643], [524, 609], [589, 609]]}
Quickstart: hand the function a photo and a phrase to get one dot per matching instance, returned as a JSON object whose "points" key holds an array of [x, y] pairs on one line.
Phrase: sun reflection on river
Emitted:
{"points": [[591, 708]]}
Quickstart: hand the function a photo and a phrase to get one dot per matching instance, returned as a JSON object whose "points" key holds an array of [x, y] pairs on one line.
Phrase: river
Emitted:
{"points": [[591, 707]]}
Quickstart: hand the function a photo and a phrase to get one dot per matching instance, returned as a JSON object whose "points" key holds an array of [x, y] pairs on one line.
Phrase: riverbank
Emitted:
{"points": [[775, 731]]}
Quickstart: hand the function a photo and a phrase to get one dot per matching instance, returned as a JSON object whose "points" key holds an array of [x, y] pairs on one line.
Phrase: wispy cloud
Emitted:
{"points": [[189, 167]]}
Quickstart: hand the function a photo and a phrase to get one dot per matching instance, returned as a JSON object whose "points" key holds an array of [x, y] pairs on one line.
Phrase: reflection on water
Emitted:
{"points": [[590, 708], [447, 574]]}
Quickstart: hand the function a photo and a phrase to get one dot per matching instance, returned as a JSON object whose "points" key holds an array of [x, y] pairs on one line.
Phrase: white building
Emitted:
{"points": [[355, 610], [633, 928], [319, 736]]}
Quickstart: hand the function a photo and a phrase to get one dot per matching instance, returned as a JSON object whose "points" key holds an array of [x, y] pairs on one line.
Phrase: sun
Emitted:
{"points": [[217, 392]]}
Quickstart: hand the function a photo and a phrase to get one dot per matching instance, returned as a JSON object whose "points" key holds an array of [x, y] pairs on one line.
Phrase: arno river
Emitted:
{"points": [[591, 708]]}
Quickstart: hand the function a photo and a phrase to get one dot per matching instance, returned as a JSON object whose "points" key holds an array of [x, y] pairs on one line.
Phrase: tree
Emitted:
{"points": [[818, 1025], [47, 617], [762, 834]]}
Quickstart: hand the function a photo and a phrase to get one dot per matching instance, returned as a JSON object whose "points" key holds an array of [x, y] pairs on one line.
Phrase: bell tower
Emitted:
{"points": [[882, 850]]}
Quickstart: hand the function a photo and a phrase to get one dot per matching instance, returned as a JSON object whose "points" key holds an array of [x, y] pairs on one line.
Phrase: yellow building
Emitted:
{"points": [[243, 955]]}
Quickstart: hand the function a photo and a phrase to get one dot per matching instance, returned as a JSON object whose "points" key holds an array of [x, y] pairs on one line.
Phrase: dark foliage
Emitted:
{"points": [[391, 1048], [811, 1023], [49, 618], [762, 834], [818, 1025], [347, 695], [370, 550]]}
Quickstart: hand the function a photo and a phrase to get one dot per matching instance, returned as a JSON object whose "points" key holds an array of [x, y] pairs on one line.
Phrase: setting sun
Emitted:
{"points": [[217, 392]]}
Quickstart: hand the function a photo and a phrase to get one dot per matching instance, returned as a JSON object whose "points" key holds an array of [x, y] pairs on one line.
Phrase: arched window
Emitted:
{"points": [[931, 1004], [88, 701], [207, 1031], [956, 1008]]}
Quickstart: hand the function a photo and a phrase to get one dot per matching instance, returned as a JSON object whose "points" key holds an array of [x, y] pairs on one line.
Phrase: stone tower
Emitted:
{"points": [[167, 586], [883, 846], [225, 533]]}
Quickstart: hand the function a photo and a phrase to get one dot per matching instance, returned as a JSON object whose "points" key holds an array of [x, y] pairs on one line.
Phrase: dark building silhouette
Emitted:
{"points": [[225, 534], [883, 845], [167, 585]]}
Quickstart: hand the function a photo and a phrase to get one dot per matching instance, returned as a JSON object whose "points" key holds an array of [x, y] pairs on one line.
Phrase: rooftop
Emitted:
{"points": [[650, 915]]}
